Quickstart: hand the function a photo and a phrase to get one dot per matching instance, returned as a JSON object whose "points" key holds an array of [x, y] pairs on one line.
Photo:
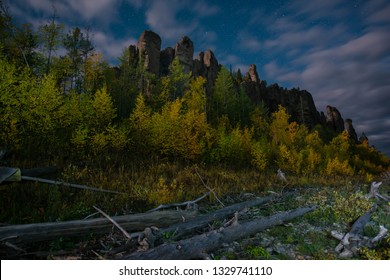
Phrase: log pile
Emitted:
{"points": [[190, 236]]}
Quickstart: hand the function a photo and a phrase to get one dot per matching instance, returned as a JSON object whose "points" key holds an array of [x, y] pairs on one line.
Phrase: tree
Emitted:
{"points": [[176, 83], [78, 47], [50, 37], [123, 85], [225, 98]]}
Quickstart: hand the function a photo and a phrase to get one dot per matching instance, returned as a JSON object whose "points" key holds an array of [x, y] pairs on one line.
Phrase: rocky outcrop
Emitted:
{"points": [[148, 47], [206, 65], [350, 130], [166, 57], [133, 56], [334, 120], [363, 139], [252, 84], [184, 51], [298, 103], [252, 74]]}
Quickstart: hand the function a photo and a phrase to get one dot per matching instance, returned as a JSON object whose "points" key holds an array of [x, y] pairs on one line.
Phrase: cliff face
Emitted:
{"points": [[298, 103]]}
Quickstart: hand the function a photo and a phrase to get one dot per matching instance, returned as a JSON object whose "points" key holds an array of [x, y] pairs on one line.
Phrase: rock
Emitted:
{"points": [[133, 56], [252, 74], [206, 65], [166, 57], [363, 139], [350, 130], [184, 50], [252, 85], [149, 45], [334, 119], [298, 103]]}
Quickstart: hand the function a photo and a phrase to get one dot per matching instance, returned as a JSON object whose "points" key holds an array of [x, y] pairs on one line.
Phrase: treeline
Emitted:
{"points": [[77, 107]]}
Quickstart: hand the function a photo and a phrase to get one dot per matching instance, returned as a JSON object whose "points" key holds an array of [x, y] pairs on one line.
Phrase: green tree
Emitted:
{"points": [[78, 47], [175, 84], [50, 38], [225, 98]]}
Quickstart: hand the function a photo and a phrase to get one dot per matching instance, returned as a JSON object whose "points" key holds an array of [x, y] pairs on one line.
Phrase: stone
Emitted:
{"points": [[148, 46], [133, 56], [350, 129], [252, 84], [166, 57], [363, 139], [334, 120], [206, 65], [184, 51], [252, 74], [299, 104]]}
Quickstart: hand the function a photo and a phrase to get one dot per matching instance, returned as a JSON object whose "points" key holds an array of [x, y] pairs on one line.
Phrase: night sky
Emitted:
{"points": [[338, 50]]}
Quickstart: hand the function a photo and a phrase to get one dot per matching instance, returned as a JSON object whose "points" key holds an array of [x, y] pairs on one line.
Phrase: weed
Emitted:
{"points": [[258, 252]]}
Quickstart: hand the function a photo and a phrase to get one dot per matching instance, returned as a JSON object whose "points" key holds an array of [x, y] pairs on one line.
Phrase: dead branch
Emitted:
{"points": [[125, 233], [209, 189], [374, 192], [181, 204], [47, 181], [197, 246], [354, 240]]}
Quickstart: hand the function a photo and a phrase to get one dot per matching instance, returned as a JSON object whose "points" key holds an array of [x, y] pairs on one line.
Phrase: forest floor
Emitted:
{"points": [[338, 204]]}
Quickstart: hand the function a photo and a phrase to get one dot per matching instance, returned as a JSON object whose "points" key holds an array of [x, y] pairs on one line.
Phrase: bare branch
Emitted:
{"points": [[125, 233], [186, 203], [208, 188]]}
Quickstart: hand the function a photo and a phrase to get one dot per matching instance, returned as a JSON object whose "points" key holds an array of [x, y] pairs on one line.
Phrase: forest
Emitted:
{"points": [[124, 129]]}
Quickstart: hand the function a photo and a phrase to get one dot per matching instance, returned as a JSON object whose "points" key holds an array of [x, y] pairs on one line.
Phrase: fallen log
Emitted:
{"points": [[197, 246], [354, 240], [182, 229], [39, 171], [28, 233]]}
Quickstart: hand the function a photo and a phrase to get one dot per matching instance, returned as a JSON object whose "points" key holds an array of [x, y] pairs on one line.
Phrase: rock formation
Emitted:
{"points": [[133, 56], [363, 139], [166, 57], [298, 103], [206, 65], [184, 51], [252, 84], [350, 130], [148, 47], [334, 120]]}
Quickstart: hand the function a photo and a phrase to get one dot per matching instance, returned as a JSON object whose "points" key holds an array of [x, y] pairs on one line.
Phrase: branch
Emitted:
{"points": [[112, 221], [68, 185], [186, 203], [211, 190]]}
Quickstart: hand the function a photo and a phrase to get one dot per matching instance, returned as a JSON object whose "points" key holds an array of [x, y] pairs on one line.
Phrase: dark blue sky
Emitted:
{"points": [[339, 50]]}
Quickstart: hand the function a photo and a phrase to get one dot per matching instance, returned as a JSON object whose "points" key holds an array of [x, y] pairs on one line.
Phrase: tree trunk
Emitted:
{"points": [[198, 223], [197, 246], [28, 233]]}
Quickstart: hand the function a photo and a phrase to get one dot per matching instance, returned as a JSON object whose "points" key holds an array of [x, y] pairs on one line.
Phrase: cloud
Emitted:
{"points": [[317, 9], [161, 16], [91, 9], [348, 72], [248, 42], [110, 46], [76, 10], [204, 9]]}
